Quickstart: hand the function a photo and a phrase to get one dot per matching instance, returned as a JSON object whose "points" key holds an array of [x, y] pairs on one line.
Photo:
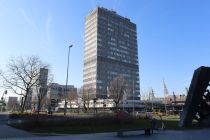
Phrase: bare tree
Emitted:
{"points": [[78, 100], [145, 98], [40, 99], [72, 96], [41, 94], [83, 95], [86, 94], [22, 75], [116, 90], [41, 88]]}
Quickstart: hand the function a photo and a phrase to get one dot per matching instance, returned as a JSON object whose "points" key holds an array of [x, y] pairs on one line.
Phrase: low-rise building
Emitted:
{"points": [[175, 99], [12, 103], [56, 92]]}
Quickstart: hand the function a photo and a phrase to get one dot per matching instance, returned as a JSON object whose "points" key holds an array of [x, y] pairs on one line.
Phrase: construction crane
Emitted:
{"points": [[165, 94]]}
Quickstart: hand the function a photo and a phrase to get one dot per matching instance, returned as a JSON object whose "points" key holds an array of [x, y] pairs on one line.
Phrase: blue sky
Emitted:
{"points": [[173, 36]]}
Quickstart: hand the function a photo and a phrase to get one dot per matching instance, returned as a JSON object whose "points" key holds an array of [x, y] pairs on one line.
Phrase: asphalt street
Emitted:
{"points": [[163, 135], [10, 132], [7, 132], [3, 118]]}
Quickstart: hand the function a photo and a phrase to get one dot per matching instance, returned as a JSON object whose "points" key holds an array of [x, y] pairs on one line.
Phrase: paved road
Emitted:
{"points": [[3, 118], [166, 135], [10, 132], [7, 132]]}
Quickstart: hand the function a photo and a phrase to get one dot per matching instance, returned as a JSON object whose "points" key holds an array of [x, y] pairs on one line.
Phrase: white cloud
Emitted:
{"points": [[43, 34], [27, 19]]}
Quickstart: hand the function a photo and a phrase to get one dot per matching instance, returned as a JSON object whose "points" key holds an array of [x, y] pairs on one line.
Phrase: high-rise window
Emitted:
{"points": [[110, 50]]}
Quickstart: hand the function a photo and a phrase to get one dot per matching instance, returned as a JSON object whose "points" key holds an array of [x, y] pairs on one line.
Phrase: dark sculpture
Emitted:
{"points": [[197, 104]]}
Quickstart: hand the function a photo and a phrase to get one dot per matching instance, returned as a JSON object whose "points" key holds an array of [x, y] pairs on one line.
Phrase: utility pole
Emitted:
{"points": [[67, 76]]}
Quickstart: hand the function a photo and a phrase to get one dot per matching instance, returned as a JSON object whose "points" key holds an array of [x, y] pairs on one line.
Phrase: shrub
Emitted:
{"points": [[55, 121]]}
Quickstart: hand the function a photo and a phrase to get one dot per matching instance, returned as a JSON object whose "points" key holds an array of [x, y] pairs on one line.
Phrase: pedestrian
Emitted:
{"points": [[153, 124]]}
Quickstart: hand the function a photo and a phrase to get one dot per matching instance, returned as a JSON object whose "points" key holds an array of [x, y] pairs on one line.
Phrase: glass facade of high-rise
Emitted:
{"points": [[110, 50]]}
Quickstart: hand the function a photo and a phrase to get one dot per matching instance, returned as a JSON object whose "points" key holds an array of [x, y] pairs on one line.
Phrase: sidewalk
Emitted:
{"points": [[163, 135]]}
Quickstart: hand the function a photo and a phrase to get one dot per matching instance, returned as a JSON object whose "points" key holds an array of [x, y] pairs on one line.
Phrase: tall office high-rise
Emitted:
{"points": [[110, 50]]}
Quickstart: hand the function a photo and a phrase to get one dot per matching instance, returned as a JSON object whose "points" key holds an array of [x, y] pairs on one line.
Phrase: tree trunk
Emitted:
{"points": [[88, 103], [24, 102], [38, 109], [70, 105], [116, 107], [39, 104], [23, 105], [84, 104]]}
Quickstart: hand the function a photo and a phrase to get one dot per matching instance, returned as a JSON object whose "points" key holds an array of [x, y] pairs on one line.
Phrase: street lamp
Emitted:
{"points": [[67, 75]]}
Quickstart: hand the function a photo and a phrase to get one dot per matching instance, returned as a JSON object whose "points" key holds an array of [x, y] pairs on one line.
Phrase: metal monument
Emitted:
{"points": [[197, 104]]}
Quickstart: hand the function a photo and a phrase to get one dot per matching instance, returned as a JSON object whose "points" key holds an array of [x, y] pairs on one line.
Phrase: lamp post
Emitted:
{"points": [[67, 75]]}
